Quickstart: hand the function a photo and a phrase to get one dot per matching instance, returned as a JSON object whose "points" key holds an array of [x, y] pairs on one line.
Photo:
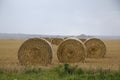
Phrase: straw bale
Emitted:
{"points": [[57, 41], [95, 48], [71, 50], [35, 51]]}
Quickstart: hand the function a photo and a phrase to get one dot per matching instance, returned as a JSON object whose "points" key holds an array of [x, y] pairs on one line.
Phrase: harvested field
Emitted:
{"points": [[9, 51]]}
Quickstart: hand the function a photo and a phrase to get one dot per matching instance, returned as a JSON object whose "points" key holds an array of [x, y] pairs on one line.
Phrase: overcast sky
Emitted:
{"points": [[60, 17]]}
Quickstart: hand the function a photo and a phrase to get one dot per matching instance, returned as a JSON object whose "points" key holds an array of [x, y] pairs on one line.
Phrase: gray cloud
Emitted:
{"points": [[67, 17]]}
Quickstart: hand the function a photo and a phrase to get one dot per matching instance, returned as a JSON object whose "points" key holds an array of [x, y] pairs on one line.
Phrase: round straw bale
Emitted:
{"points": [[82, 39], [95, 48], [57, 41], [35, 51], [48, 39], [66, 37], [71, 50]]}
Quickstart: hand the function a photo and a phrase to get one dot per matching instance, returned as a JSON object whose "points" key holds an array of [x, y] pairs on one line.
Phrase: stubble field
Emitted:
{"points": [[9, 60]]}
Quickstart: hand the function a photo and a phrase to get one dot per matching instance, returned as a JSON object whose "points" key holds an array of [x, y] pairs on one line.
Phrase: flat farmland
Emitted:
{"points": [[9, 61]]}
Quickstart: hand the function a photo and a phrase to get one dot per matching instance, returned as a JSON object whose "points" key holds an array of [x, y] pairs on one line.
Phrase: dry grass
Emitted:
{"points": [[9, 60], [35, 51]]}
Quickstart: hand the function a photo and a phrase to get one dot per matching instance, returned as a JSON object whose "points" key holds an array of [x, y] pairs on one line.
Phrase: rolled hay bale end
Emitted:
{"points": [[35, 52], [95, 48], [57, 41], [71, 50]]}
